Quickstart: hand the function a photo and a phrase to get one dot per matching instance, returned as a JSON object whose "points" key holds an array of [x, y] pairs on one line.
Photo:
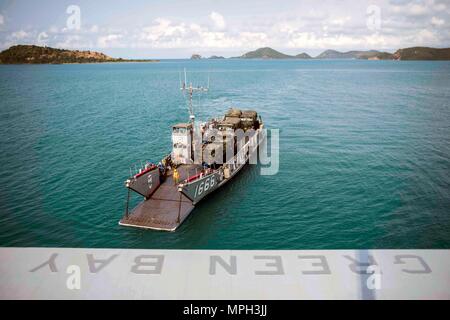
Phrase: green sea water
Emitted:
{"points": [[364, 153]]}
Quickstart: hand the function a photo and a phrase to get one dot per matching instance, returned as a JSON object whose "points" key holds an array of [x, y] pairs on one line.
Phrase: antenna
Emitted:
{"points": [[191, 89]]}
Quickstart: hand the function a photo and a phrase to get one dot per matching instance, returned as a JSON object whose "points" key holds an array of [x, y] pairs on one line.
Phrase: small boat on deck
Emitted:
{"points": [[204, 157]]}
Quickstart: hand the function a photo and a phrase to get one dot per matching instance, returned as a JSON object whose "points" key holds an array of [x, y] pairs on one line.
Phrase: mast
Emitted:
{"points": [[191, 89]]}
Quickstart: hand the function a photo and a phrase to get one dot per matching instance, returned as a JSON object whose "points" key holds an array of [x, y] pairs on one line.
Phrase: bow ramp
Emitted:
{"points": [[165, 209]]}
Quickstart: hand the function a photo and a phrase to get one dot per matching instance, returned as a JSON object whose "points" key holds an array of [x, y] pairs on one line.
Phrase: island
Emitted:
{"points": [[370, 54], [31, 54], [264, 53], [413, 53], [269, 53], [196, 56], [303, 55], [422, 53]]}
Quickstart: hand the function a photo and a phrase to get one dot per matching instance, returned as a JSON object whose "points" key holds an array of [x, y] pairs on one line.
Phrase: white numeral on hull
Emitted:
{"points": [[204, 186]]}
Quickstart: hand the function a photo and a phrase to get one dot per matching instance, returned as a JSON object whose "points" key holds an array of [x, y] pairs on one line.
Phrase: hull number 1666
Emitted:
{"points": [[205, 185]]}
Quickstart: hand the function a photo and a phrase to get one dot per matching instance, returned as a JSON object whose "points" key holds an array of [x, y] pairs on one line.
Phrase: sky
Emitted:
{"points": [[177, 29]]}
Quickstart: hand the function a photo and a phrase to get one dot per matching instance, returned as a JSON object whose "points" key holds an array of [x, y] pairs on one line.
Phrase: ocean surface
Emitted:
{"points": [[364, 153]]}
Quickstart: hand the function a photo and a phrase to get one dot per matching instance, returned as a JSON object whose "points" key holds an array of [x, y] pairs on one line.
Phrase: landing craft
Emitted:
{"points": [[204, 157]]}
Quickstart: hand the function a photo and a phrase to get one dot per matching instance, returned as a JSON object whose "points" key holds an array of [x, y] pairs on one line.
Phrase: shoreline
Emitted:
{"points": [[95, 62], [232, 59]]}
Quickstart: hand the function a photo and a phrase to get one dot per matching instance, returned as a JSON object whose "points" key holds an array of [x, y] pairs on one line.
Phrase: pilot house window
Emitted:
{"points": [[179, 146], [179, 130]]}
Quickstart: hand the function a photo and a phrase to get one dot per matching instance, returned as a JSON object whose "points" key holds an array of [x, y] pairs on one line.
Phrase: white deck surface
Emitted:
{"points": [[196, 274]]}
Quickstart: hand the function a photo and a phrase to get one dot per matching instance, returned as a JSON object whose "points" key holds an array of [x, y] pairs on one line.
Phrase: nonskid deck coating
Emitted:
{"points": [[167, 208]]}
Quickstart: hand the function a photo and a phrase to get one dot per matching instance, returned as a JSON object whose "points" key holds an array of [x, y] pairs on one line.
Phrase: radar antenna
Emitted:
{"points": [[190, 89]]}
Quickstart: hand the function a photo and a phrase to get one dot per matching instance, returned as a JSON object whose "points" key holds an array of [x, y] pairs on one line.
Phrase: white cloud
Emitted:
{"points": [[165, 33], [74, 41], [342, 32], [417, 9], [312, 40], [427, 36], [437, 22], [323, 26], [410, 9], [19, 35], [111, 40], [53, 29], [439, 6], [340, 21], [218, 20], [2, 20], [162, 31], [42, 38]]}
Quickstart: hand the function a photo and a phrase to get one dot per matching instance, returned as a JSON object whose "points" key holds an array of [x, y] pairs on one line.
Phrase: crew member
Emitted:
{"points": [[176, 175]]}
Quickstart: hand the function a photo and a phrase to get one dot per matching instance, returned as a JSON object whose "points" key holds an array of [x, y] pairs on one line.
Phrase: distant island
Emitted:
{"points": [[413, 53], [196, 56], [422, 53], [269, 53], [370, 55], [31, 54], [216, 57], [303, 56]]}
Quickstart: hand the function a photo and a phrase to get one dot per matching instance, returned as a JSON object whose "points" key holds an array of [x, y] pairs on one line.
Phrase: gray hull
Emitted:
{"points": [[200, 188], [146, 183]]}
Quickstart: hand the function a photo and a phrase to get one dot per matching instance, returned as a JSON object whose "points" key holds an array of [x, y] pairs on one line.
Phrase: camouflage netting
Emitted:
{"points": [[230, 122], [232, 112], [236, 118], [249, 114], [248, 119]]}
